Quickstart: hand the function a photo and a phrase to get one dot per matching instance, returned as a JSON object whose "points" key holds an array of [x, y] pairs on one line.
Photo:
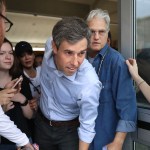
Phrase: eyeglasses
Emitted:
{"points": [[8, 23], [99, 32]]}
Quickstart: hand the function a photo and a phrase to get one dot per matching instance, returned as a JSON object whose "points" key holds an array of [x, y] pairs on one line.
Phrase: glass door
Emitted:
{"points": [[143, 45], [139, 146], [135, 43]]}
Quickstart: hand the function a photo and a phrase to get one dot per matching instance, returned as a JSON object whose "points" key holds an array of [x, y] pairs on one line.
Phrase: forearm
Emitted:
{"points": [[143, 86], [27, 111], [24, 103], [83, 145], [120, 137], [118, 141], [27, 146]]}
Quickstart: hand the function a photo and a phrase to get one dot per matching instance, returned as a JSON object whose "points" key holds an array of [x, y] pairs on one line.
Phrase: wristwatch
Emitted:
{"points": [[25, 103]]}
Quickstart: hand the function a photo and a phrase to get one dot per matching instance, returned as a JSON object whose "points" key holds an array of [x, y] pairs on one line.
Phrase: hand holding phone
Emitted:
{"points": [[18, 81]]}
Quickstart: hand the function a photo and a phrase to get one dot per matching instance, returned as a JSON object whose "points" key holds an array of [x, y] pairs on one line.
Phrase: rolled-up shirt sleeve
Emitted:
{"points": [[88, 111], [126, 126]]}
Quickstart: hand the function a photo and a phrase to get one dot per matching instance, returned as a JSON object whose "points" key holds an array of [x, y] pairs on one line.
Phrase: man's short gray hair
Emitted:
{"points": [[101, 14]]}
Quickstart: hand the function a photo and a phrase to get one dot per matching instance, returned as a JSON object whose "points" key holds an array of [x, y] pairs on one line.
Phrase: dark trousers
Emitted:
{"points": [[55, 138], [8, 147]]}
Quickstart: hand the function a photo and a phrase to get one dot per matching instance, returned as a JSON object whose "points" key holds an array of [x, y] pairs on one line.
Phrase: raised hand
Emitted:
{"points": [[132, 66], [33, 104], [6, 95], [8, 107], [16, 83]]}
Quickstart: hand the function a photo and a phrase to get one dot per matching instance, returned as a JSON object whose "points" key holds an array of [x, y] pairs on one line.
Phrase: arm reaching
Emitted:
{"points": [[133, 69], [143, 86], [27, 111]]}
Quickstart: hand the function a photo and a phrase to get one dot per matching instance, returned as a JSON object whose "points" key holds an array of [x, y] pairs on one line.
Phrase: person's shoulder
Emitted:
{"points": [[115, 56], [87, 72], [85, 67], [114, 53], [117, 61]]}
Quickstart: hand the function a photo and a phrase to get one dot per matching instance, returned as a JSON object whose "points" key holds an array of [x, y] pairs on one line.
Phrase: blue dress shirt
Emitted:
{"points": [[67, 97], [117, 111]]}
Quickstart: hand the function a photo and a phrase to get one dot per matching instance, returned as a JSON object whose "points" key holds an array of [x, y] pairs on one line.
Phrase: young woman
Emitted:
{"points": [[31, 74], [25, 54], [18, 109]]}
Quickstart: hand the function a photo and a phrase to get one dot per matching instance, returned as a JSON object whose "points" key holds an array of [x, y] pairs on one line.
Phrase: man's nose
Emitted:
{"points": [[75, 60], [96, 35]]}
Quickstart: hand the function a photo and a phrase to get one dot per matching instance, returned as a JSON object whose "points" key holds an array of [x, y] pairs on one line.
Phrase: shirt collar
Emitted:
{"points": [[71, 78], [52, 65], [103, 50]]}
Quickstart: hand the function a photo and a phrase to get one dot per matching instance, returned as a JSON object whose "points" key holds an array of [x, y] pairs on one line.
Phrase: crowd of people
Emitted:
{"points": [[7, 127], [78, 96]]}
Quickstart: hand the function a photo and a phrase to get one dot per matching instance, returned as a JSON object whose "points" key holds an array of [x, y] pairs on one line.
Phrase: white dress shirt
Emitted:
{"points": [[10, 131]]}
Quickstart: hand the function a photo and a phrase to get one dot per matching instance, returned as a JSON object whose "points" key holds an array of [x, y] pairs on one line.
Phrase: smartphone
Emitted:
{"points": [[19, 80]]}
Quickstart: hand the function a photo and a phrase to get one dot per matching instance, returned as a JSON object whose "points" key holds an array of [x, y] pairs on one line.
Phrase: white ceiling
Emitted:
{"points": [[32, 21], [34, 29]]}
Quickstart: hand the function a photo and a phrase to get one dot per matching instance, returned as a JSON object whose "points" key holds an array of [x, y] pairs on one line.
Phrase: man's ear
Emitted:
{"points": [[54, 47]]}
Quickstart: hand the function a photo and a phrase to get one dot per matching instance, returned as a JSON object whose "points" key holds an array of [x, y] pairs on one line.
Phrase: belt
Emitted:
{"points": [[74, 122]]}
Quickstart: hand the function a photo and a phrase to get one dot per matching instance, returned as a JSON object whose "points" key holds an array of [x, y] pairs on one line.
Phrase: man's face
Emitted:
{"points": [[68, 57], [99, 34], [2, 26]]}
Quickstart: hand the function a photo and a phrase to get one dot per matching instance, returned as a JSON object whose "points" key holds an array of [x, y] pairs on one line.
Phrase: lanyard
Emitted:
{"points": [[101, 62], [34, 87]]}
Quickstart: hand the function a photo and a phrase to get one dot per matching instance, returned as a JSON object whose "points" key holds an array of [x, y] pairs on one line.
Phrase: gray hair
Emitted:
{"points": [[71, 29], [102, 14]]}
